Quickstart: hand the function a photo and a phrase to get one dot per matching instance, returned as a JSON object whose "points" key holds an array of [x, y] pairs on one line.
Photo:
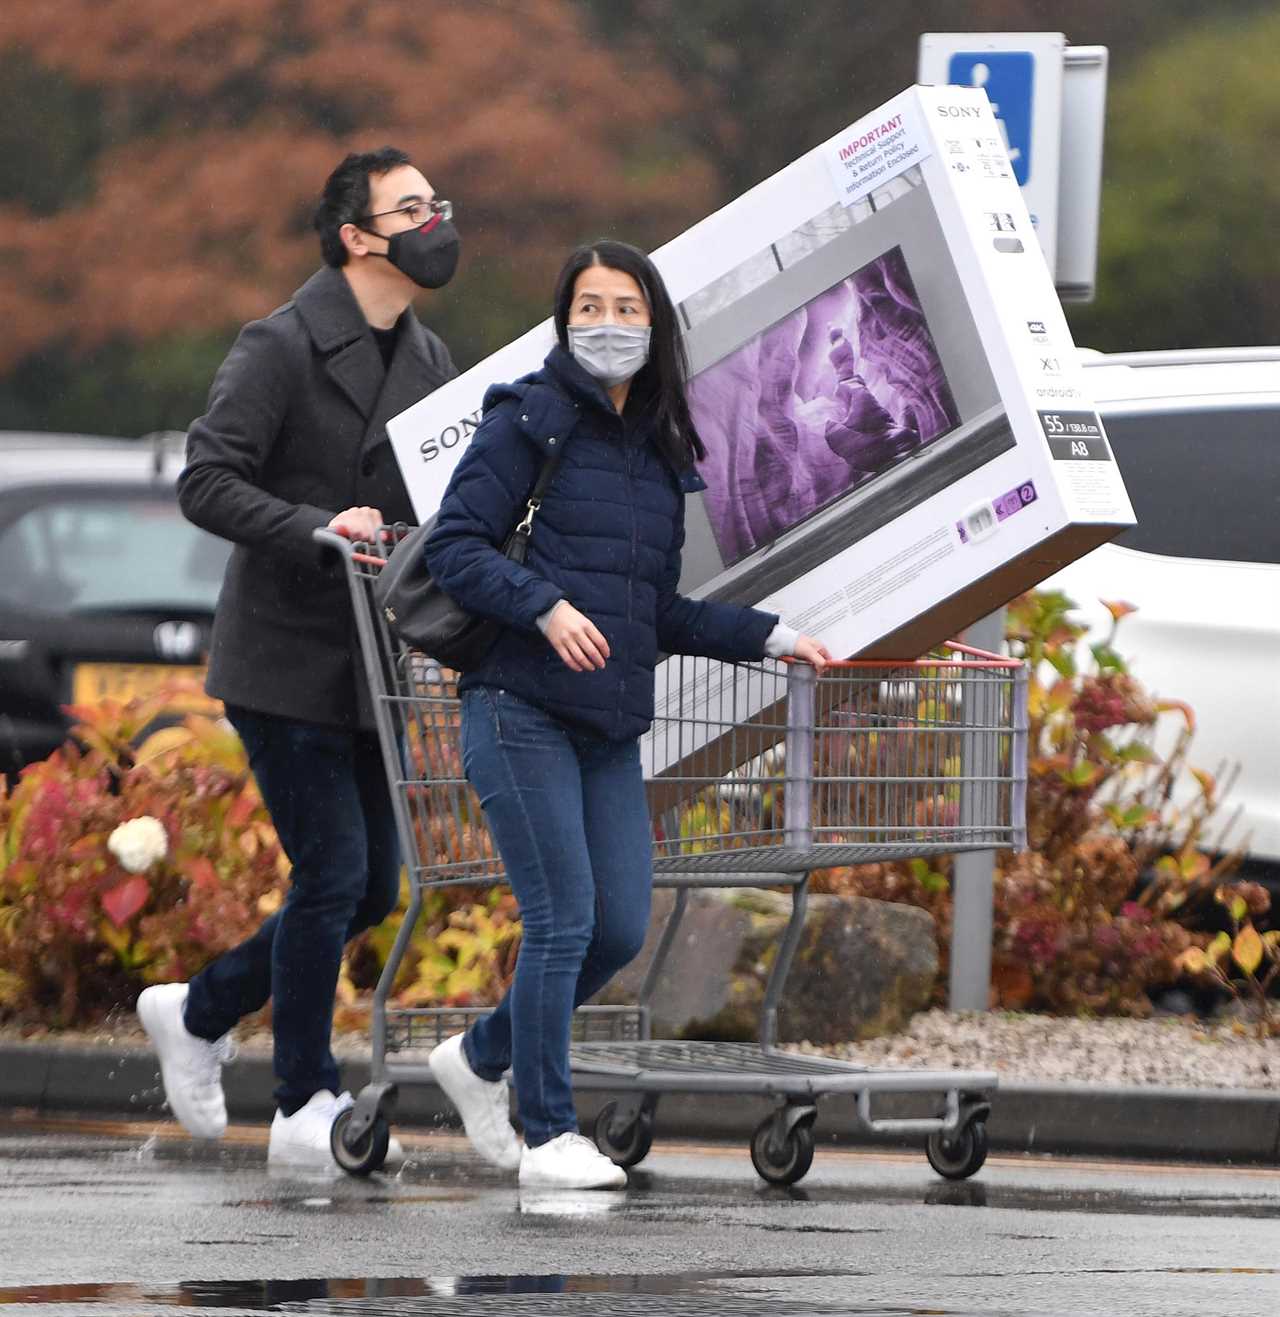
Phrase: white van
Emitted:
{"points": [[1197, 436]]}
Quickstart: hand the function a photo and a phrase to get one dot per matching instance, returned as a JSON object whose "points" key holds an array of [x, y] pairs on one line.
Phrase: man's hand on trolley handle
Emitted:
{"points": [[362, 525]]}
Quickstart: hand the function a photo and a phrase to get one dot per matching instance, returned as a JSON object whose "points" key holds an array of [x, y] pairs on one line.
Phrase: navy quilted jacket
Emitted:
{"points": [[607, 539]]}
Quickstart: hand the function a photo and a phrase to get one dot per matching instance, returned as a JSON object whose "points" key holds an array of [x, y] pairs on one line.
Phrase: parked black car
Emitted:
{"points": [[105, 589]]}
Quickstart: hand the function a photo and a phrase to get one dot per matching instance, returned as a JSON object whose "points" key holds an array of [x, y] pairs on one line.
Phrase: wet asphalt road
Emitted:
{"points": [[113, 1219]]}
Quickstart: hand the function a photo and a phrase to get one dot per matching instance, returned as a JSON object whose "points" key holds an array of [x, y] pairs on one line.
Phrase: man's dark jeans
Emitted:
{"points": [[327, 794], [569, 816]]}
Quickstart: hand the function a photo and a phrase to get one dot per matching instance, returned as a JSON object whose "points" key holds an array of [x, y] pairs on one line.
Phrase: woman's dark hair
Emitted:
{"points": [[660, 385], [345, 198]]}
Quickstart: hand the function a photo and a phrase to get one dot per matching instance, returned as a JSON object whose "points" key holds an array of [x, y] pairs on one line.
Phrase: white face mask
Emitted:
{"points": [[612, 353]]}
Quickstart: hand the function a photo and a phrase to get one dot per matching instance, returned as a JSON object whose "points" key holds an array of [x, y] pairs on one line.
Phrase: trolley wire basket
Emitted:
{"points": [[758, 774]]}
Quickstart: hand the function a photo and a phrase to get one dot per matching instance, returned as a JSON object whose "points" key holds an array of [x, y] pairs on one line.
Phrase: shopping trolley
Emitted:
{"points": [[759, 774]]}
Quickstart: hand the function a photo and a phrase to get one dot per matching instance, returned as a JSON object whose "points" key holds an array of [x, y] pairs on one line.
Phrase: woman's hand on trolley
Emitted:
{"points": [[813, 651], [575, 637]]}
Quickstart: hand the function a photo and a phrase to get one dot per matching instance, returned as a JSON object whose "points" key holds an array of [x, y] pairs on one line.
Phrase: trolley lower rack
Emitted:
{"points": [[782, 1145]]}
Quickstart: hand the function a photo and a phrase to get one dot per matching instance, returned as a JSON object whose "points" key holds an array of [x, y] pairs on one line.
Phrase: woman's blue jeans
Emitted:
{"points": [[326, 790], [568, 814]]}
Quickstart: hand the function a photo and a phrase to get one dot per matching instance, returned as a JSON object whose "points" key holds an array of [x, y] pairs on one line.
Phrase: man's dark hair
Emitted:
{"points": [[660, 383], [345, 198]]}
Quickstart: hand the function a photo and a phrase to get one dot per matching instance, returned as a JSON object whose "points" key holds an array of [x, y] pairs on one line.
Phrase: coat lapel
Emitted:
{"points": [[340, 332], [355, 369], [409, 378]]}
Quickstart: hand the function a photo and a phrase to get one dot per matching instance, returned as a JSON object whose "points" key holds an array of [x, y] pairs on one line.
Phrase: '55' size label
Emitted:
{"points": [[1075, 436]]}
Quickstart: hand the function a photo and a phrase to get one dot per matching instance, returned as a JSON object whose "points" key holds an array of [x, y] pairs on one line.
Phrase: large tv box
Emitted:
{"points": [[898, 435]]}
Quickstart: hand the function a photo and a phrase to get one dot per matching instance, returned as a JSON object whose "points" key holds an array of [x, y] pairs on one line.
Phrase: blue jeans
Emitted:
{"points": [[327, 793], [568, 814]]}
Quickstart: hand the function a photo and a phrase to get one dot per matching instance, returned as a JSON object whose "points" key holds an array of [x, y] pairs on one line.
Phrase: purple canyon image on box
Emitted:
{"points": [[820, 403]]}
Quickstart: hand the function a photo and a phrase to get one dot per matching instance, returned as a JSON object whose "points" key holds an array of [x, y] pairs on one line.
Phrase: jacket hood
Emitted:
{"points": [[559, 371], [548, 402], [496, 394]]}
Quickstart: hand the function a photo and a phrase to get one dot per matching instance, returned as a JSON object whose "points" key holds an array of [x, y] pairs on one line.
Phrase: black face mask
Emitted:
{"points": [[428, 255]]}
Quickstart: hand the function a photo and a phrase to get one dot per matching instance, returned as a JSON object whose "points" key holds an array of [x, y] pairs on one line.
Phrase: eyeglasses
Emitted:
{"points": [[419, 212]]}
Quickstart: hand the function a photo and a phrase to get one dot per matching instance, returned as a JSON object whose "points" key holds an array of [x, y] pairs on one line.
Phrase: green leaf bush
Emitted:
{"points": [[81, 933], [1076, 932]]}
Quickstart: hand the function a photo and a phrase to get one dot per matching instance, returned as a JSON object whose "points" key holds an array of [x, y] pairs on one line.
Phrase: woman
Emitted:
{"points": [[551, 719]]}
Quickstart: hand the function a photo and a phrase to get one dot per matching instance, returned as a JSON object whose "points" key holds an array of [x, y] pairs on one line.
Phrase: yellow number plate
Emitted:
{"points": [[95, 682]]}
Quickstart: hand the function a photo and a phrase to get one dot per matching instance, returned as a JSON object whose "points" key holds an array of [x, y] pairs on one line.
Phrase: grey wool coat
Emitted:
{"points": [[295, 432]]}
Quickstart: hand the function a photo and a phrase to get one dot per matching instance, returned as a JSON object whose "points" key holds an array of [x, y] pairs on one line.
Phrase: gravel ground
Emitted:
{"points": [[1171, 1050], [1175, 1051]]}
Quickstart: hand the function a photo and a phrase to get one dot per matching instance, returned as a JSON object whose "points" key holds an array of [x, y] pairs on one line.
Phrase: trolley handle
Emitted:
{"points": [[341, 540], [977, 658]]}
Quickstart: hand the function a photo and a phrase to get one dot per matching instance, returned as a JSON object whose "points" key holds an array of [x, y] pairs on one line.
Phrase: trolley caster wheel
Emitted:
{"points": [[634, 1144], [958, 1156], [369, 1151], [790, 1162]]}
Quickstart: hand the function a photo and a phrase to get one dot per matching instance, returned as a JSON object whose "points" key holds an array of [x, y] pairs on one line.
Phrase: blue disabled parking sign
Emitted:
{"points": [[1008, 78]]}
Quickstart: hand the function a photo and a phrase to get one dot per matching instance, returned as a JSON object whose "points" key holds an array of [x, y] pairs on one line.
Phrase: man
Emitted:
{"points": [[294, 439]]}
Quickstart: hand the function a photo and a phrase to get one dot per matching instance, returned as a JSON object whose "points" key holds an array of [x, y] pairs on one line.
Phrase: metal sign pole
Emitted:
{"points": [[973, 884]]}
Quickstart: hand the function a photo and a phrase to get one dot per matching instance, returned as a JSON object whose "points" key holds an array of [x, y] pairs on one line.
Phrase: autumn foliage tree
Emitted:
{"points": [[159, 194], [158, 161]]}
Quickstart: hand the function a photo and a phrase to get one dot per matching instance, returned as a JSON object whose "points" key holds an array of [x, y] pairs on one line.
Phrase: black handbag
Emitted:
{"points": [[426, 618]]}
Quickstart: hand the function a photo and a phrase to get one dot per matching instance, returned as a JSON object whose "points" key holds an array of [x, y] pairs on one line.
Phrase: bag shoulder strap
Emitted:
{"points": [[549, 465]]}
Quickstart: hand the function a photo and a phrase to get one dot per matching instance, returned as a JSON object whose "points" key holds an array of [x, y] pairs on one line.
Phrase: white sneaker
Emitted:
{"points": [[569, 1161], [190, 1067], [303, 1138], [483, 1105]]}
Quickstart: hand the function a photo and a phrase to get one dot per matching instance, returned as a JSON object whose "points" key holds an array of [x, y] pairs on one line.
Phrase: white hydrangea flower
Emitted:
{"points": [[139, 843]]}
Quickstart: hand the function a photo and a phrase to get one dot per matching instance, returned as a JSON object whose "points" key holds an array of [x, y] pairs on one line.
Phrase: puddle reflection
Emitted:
{"points": [[568, 1202], [257, 1294]]}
